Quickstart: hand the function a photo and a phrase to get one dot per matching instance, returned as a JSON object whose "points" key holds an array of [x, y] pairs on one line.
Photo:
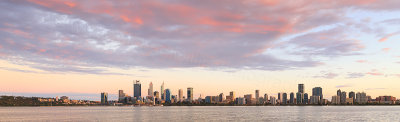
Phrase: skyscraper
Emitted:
{"points": [[291, 101], [279, 97], [248, 98], [317, 91], [339, 93], [301, 88], [265, 97], [221, 97], [232, 94], [257, 95], [190, 94], [150, 90], [361, 98], [162, 91], [305, 99], [353, 96], [104, 98], [167, 96], [137, 90], [157, 95], [180, 95], [299, 97], [343, 97], [284, 98], [121, 95]]}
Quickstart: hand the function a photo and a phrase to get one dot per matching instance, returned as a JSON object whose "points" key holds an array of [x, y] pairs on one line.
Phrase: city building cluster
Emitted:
{"points": [[164, 97]]}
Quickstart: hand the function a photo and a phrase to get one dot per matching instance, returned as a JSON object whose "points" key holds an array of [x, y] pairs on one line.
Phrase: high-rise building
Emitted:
{"points": [[361, 98], [305, 99], [240, 101], [162, 91], [257, 95], [317, 91], [190, 94], [299, 97], [150, 90], [232, 94], [137, 90], [265, 97], [248, 98], [353, 96], [291, 101], [221, 97], [167, 96], [180, 95], [343, 98], [272, 100], [104, 98], [157, 95], [301, 88], [121, 95], [284, 98], [279, 97], [339, 93], [335, 99]]}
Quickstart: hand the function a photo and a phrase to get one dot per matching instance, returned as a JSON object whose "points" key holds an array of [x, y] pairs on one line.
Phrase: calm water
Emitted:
{"points": [[209, 113]]}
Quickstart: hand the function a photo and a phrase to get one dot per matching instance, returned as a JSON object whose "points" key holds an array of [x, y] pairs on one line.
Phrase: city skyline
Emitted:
{"points": [[82, 48]]}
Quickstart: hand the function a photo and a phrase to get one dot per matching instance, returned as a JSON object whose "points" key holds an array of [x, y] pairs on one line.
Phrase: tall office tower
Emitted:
{"points": [[104, 98], [291, 101], [248, 98], [167, 96], [339, 93], [221, 97], [137, 90], [305, 100], [299, 97], [157, 95], [317, 91], [301, 88], [265, 98], [272, 100], [257, 95], [343, 97], [162, 91], [180, 95], [361, 98], [190, 94], [352, 95], [121, 95], [279, 97], [232, 94], [150, 90], [284, 98]]}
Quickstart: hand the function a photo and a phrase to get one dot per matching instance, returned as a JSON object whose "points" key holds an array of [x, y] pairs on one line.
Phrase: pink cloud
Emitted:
{"points": [[386, 37], [70, 4], [386, 49], [375, 72], [361, 61]]}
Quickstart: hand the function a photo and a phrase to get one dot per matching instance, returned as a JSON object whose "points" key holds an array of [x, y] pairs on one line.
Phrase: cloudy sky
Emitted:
{"points": [[81, 48]]}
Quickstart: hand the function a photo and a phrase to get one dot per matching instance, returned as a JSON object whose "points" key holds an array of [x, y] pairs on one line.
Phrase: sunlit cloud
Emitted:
{"points": [[181, 34]]}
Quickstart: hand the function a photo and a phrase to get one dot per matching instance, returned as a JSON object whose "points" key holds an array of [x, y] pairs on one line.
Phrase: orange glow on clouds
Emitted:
{"points": [[70, 4]]}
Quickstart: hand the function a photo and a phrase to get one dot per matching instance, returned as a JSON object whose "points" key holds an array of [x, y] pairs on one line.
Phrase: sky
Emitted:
{"points": [[81, 48]]}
